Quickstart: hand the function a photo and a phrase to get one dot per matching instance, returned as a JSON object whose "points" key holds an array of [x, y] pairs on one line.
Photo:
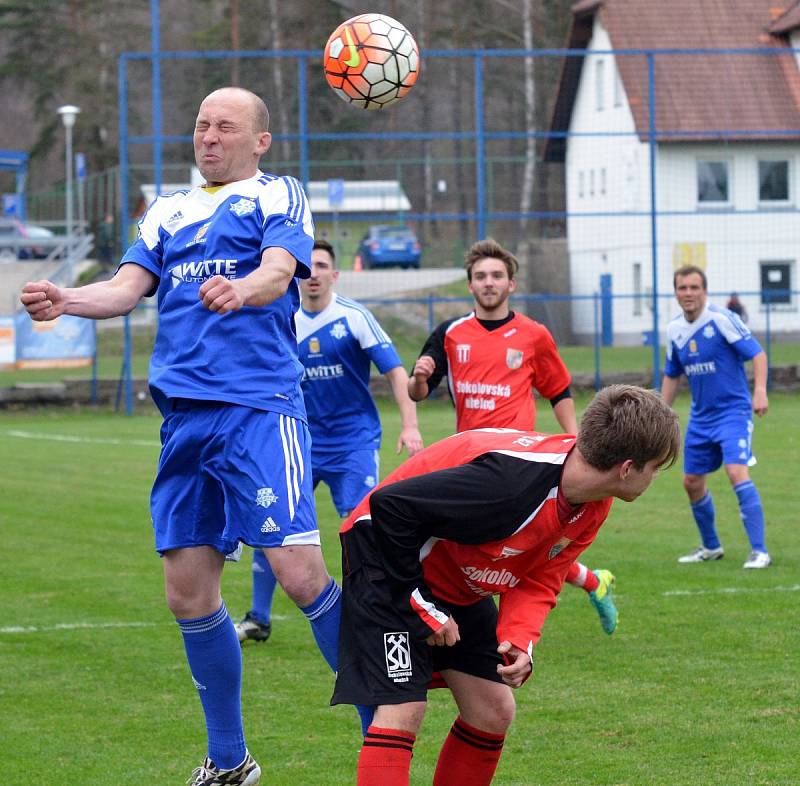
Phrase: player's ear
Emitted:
{"points": [[625, 469], [263, 143], [512, 284]]}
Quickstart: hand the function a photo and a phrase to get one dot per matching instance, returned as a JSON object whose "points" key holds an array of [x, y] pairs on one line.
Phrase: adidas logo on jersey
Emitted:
{"points": [[270, 526], [175, 217]]}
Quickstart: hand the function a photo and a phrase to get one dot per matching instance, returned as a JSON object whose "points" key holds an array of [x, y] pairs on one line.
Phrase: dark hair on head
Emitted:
{"points": [[687, 270], [489, 248], [627, 422], [324, 245]]}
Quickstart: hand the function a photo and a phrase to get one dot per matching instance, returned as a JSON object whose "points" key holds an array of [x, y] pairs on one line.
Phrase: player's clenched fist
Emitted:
{"points": [[222, 295], [446, 636], [423, 368], [43, 300]]}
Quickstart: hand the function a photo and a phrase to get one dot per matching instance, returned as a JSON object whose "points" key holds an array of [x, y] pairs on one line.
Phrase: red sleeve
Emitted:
{"points": [[550, 375], [524, 609]]}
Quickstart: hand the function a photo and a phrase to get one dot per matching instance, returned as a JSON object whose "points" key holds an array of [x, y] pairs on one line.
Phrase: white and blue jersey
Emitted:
{"points": [[247, 357], [711, 352], [337, 346]]}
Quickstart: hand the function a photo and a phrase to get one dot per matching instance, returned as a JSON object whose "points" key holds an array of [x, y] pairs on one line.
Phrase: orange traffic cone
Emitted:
{"points": [[357, 266]]}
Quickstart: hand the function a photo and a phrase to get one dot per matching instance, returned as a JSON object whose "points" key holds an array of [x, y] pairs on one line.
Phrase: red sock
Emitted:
{"points": [[468, 757], [385, 757], [580, 576]]}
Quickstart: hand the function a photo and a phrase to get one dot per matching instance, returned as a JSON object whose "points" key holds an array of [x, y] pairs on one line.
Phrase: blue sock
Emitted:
{"points": [[264, 584], [215, 660], [752, 514], [704, 515], [324, 614]]}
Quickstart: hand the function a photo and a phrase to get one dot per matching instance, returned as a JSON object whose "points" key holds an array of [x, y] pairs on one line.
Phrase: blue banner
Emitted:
{"points": [[62, 341]]}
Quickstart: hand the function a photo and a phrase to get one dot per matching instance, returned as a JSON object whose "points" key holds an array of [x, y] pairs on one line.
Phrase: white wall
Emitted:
{"points": [[734, 244]]}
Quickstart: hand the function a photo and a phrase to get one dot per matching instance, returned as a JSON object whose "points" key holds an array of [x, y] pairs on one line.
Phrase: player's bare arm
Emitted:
{"points": [[410, 437], [263, 286], [669, 389], [45, 301], [418, 382], [760, 399], [564, 411], [518, 665]]}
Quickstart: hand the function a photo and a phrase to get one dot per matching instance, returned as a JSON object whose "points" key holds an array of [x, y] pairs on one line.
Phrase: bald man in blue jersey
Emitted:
{"points": [[710, 345], [223, 260]]}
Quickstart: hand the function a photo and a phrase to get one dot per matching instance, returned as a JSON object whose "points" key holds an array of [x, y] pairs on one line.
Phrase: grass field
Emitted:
{"points": [[698, 687]]}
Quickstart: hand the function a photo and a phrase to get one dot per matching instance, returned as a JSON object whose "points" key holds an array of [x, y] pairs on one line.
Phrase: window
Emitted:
{"points": [[591, 182], [773, 181], [619, 90], [776, 283], [637, 289], [713, 182], [600, 86], [603, 181], [581, 179]]}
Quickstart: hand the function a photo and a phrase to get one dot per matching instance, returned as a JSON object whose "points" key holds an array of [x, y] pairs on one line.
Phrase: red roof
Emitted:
{"points": [[696, 95], [788, 21]]}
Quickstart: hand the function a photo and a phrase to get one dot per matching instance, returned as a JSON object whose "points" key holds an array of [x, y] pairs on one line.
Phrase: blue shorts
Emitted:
{"points": [[729, 441], [229, 473], [349, 475]]}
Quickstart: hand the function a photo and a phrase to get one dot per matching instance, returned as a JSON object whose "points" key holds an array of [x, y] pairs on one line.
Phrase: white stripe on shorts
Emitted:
{"points": [[288, 463]]}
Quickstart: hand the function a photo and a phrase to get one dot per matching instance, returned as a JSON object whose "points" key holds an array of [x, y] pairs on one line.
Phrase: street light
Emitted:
{"points": [[68, 115]]}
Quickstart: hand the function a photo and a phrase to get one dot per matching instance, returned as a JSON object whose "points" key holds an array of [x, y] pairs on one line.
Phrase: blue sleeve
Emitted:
{"points": [[281, 233], [673, 366], [148, 258], [384, 356]]}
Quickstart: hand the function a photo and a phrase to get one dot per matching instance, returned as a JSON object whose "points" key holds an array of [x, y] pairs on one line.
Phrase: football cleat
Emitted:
{"points": [[758, 559], [251, 627], [603, 600], [702, 554], [248, 773]]}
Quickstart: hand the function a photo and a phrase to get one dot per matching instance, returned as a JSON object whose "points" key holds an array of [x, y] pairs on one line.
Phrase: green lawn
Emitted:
{"points": [[697, 688]]}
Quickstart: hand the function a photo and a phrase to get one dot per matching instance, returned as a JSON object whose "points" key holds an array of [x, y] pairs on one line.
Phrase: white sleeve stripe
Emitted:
{"points": [[552, 494], [377, 331], [540, 458]]}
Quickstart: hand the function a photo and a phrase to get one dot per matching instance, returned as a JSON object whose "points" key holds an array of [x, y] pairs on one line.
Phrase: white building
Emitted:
{"points": [[726, 169]]}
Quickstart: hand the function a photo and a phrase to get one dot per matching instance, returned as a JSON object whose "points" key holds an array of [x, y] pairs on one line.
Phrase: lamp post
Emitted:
{"points": [[68, 115]]}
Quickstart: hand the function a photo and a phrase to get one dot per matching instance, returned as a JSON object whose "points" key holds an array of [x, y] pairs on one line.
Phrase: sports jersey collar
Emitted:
{"points": [[216, 192], [494, 324]]}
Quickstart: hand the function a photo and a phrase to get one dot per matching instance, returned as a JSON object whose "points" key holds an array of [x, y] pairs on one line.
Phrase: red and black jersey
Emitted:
{"points": [[491, 373], [477, 514]]}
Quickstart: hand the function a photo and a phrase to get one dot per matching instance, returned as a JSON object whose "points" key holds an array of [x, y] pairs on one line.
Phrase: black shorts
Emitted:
{"points": [[380, 660]]}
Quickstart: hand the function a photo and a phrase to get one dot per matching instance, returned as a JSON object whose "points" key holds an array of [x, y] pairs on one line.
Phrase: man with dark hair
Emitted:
{"points": [[339, 340], [493, 358], [481, 513], [710, 345]]}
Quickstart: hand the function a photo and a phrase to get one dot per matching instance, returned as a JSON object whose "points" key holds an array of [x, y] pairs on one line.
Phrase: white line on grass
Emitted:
{"points": [[93, 626], [149, 443], [732, 591]]}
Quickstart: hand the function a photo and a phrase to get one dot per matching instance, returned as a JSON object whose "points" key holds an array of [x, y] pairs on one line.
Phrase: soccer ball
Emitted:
{"points": [[371, 61]]}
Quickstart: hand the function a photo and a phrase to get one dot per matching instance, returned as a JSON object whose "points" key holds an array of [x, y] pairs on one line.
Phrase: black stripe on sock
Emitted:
{"points": [[408, 746], [475, 740]]}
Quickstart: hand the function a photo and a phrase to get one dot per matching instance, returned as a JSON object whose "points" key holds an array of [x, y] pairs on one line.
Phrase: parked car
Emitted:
{"points": [[389, 246], [13, 229]]}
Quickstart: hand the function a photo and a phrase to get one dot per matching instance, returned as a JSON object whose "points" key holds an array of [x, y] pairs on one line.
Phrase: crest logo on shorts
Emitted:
{"points": [[462, 352], [265, 497], [558, 547], [243, 207], [398, 656], [514, 358]]}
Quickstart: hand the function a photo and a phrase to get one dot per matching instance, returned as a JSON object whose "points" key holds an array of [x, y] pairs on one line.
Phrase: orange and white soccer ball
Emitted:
{"points": [[371, 61]]}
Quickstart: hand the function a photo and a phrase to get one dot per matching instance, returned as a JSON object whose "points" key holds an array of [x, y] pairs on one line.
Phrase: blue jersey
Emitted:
{"points": [[337, 346], [246, 357], [711, 351]]}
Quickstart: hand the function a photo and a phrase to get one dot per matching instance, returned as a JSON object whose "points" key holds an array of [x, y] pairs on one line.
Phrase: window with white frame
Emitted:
{"points": [[581, 184], [777, 283], [603, 181], [773, 181], [619, 90], [600, 84], [591, 182], [713, 182], [637, 289]]}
